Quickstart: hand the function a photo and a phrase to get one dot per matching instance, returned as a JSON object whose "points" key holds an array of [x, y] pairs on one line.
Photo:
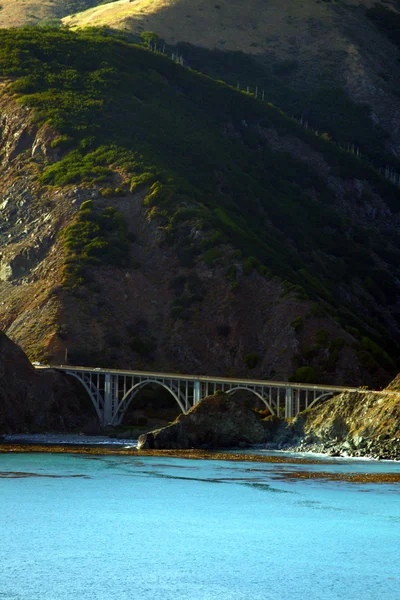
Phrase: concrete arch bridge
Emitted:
{"points": [[112, 391]]}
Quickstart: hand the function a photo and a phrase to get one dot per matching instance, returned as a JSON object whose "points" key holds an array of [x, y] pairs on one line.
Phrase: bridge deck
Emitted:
{"points": [[112, 390], [205, 378]]}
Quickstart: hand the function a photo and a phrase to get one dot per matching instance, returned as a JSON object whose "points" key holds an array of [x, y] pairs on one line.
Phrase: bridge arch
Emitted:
{"points": [[125, 401], [92, 395], [320, 397], [246, 389]]}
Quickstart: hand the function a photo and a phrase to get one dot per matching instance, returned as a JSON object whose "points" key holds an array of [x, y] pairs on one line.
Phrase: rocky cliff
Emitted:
{"points": [[351, 424], [215, 422], [34, 400]]}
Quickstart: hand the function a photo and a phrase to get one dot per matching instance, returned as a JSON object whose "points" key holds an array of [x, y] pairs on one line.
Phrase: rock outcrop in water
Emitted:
{"points": [[365, 423], [31, 399], [217, 421]]}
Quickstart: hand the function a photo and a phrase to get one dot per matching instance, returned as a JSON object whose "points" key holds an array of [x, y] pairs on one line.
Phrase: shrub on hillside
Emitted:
{"points": [[251, 360], [304, 375]]}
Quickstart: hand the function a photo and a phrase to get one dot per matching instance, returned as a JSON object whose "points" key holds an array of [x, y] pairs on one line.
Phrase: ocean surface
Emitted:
{"points": [[84, 527]]}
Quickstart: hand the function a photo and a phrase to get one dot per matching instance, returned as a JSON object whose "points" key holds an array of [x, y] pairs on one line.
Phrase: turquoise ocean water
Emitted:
{"points": [[77, 527]]}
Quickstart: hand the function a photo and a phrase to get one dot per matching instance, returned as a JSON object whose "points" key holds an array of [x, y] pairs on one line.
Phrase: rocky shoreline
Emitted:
{"points": [[371, 449], [380, 450], [353, 424]]}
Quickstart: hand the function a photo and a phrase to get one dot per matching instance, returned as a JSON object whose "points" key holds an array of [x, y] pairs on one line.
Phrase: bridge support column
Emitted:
{"points": [[196, 392], [289, 402], [108, 400]]}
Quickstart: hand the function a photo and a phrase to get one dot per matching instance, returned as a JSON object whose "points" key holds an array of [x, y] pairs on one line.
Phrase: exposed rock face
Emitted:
{"points": [[32, 399], [350, 424], [215, 422]]}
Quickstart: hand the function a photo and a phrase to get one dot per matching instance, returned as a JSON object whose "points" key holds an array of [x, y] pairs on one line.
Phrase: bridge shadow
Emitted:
{"points": [[153, 406], [84, 411], [250, 401]]}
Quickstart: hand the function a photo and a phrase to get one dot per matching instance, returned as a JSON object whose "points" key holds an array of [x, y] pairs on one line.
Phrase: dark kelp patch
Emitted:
{"points": [[218, 456], [265, 487], [191, 454], [25, 475]]}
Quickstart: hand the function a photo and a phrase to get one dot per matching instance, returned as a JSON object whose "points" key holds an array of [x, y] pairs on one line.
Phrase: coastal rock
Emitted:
{"points": [[217, 421], [364, 423], [32, 399]]}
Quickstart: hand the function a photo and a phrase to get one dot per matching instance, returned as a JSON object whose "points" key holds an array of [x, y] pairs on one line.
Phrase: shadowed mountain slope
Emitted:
{"points": [[213, 232]]}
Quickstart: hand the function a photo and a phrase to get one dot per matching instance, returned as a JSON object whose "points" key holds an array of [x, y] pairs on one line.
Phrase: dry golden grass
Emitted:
{"points": [[15, 13], [281, 26]]}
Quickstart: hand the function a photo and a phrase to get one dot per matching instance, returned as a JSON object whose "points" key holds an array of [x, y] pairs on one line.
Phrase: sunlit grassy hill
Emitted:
{"points": [[14, 13], [254, 26], [323, 38]]}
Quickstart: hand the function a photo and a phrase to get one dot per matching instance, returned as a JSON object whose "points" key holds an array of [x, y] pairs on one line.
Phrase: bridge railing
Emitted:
{"points": [[112, 390]]}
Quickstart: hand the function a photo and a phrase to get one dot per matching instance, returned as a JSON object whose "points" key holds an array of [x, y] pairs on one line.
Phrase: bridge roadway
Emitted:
{"points": [[112, 390]]}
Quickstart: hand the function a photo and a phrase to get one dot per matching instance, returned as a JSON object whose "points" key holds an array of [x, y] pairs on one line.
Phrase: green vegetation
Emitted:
{"points": [[334, 349], [193, 147], [304, 375], [249, 264], [211, 255], [251, 360], [142, 346], [326, 109], [377, 353], [94, 238], [298, 324], [231, 275], [141, 341], [321, 337], [188, 290], [110, 192]]}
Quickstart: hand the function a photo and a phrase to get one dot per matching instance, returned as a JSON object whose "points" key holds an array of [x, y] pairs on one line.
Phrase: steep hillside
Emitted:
{"points": [[309, 45], [154, 217]]}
